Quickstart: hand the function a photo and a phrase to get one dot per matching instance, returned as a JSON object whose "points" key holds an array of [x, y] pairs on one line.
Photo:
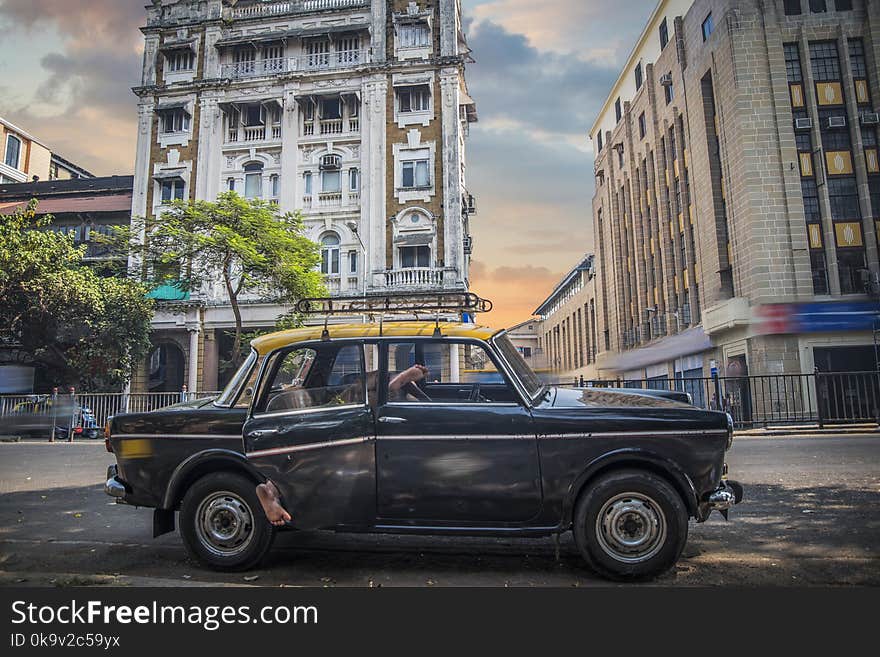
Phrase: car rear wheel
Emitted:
{"points": [[222, 523], [630, 525]]}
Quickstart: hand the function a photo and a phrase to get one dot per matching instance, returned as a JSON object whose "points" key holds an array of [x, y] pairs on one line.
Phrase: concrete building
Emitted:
{"points": [[354, 112], [569, 329], [25, 158], [738, 192], [526, 337]]}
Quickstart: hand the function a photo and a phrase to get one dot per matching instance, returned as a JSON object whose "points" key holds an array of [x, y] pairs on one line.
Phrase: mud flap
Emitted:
{"points": [[163, 522]]}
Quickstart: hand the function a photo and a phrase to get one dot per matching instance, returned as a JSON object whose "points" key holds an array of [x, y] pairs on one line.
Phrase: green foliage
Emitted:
{"points": [[249, 246], [81, 328]]}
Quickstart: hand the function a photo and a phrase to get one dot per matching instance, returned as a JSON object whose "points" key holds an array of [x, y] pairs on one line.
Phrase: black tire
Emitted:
{"points": [[228, 503], [644, 527]]}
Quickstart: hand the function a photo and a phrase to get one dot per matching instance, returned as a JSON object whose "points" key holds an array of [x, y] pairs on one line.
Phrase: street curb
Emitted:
{"points": [[808, 431], [65, 580]]}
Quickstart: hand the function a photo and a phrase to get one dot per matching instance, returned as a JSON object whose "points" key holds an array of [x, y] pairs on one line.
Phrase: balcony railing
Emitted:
{"points": [[320, 62], [293, 6], [251, 134], [331, 127], [414, 278]]}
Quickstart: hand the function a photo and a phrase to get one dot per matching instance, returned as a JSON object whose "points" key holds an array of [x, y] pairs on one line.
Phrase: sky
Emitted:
{"points": [[542, 71]]}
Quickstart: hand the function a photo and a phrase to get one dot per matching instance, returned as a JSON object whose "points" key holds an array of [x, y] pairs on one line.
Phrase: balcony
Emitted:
{"points": [[337, 127], [282, 7], [315, 63], [416, 278], [253, 134], [332, 201]]}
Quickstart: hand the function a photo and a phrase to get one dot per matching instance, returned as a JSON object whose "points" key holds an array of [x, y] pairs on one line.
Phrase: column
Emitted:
{"points": [[373, 169], [454, 364], [453, 255], [192, 382], [291, 191]]}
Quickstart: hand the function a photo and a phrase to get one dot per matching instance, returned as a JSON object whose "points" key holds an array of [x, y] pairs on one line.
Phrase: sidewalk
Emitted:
{"points": [[811, 430]]}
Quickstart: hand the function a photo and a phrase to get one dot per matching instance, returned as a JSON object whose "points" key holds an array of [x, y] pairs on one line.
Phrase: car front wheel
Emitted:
{"points": [[630, 525], [222, 523]]}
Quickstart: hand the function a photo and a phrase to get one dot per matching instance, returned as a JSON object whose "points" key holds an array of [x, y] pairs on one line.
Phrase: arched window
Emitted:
{"points": [[13, 151], [330, 254], [253, 180]]}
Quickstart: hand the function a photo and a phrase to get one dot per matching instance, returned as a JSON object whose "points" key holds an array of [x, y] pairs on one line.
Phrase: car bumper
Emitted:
{"points": [[114, 486], [722, 499]]}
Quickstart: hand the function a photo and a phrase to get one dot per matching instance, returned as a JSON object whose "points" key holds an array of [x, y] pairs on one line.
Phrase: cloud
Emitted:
{"points": [[515, 290]]}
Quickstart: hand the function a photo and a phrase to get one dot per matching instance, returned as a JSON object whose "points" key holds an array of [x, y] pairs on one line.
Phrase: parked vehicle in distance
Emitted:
{"points": [[315, 411]]}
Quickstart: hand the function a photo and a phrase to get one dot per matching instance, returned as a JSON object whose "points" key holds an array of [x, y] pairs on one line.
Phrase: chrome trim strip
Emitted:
{"points": [[311, 446], [307, 411], [633, 434], [466, 404], [454, 437], [196, 436]]}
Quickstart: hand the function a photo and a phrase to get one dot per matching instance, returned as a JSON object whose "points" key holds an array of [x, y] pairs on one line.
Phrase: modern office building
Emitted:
{"points": [[354, 112], [737, 206]]}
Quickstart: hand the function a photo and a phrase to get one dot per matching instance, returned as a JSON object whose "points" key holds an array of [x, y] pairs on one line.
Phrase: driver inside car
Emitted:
{"points": [[399, 389]]}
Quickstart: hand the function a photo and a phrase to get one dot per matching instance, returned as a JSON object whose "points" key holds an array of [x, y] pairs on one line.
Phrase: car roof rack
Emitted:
{"points": [[415, 303]]}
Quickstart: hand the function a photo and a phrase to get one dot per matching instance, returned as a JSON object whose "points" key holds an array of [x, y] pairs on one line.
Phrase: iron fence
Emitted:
{"points": [[85, 409], [772, 400]]}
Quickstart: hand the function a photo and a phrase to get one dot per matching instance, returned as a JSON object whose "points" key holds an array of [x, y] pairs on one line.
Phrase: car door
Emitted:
{"points": [[464, 458], [312, 433]]}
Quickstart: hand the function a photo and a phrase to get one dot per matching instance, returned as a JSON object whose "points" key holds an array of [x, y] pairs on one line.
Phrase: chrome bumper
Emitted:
{"points": [[725, 496], [113, 487]]}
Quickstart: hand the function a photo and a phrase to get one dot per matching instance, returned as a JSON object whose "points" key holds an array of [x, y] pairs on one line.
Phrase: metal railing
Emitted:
{"points": [[772, 400], [327, 61], [89, 408], [293, 6]]}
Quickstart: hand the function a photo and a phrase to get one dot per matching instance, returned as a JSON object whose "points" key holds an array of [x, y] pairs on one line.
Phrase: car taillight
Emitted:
{"points": [[107, 438]]}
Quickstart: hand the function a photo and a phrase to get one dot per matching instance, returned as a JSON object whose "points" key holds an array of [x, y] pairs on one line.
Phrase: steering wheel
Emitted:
{"points": [[475, 393], [412, 389]]}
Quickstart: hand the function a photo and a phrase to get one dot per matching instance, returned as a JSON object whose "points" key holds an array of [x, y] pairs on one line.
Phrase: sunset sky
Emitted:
{"points": [[542, 71]]}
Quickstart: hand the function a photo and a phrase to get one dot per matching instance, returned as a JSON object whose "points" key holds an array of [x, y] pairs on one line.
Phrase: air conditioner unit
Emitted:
{"points": [[471, 204], [803, 124], [836, 121], [870, 118], [666, 79], [468, 245]]}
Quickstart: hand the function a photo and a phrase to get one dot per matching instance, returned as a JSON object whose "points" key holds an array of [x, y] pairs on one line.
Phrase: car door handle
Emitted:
{"points": [[387, 419], [262, 433]]}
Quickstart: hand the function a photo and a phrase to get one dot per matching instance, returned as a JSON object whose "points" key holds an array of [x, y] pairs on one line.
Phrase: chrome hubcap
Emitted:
{"points": [[224, 524], [631, 527]]}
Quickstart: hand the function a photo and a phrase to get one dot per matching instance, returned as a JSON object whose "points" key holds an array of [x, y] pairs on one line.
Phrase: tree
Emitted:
{"points": [[249, 246], [76, 325]]}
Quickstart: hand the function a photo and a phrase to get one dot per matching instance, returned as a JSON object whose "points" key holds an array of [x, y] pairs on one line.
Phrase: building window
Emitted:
{"points": [[851, 264], [843, 5], [638, 74], [172, 190], [275, 185], [792, 7], [708, 27], [825, 61], [414, 99], [857, 58], [664, 34], [13, 151], [820, 272], [793, 63], [331, 108], [618, 114], [415, 256], [230, 184], [811, 200], [643, 126], [175, 121], [818, 6], [352, 262], [331, 182], [413, 35], [599, 141], [253, 180], [415, 174], [354, 182], [668, 92], [307, 183], [180, 60], [330, 254], [844, 196]]}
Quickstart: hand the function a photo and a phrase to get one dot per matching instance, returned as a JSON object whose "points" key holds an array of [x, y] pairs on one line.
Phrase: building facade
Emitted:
{"points": [[26, 159], [569, 329], [738, 192], [353, 112], [526, 337]]}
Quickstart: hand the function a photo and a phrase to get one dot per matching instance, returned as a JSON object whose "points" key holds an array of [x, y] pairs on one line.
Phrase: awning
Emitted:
{"points": [[173, 105], [168, 174], [413, 81], [414, 239], [253, 39], [331, 29], [689, 342], [170, 46]]}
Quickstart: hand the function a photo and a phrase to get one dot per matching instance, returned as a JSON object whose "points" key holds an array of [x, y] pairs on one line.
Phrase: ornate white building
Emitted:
{"points": [[354, 112]]}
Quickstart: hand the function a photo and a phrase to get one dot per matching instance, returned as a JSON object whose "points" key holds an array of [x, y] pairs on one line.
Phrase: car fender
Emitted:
{"points": [[202, 463], [635, 458]]}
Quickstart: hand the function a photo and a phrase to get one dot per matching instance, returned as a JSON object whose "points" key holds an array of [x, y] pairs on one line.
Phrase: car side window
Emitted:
{"points": [[312, 378], [445, 371]]}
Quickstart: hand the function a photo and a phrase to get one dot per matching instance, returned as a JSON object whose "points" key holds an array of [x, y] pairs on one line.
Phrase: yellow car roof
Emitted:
{"points": [[267, 343]]}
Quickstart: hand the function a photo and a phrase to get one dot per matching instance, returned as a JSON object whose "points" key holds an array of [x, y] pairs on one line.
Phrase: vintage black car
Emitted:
{"points": [[313, 411]]}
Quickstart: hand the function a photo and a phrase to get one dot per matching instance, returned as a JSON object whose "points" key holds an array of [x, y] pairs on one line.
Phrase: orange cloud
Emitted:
{"points": [[515, 291]]}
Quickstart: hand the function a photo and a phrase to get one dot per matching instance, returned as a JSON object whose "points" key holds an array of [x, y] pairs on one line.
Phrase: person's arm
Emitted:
{"points": [[413, 375]]}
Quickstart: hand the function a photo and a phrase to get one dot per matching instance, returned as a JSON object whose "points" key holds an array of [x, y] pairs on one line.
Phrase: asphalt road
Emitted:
{"points": [[811, 517]]}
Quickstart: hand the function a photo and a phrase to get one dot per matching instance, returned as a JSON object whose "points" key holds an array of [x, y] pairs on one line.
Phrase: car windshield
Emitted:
{"points": [[230, 393], [521, 369]]}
